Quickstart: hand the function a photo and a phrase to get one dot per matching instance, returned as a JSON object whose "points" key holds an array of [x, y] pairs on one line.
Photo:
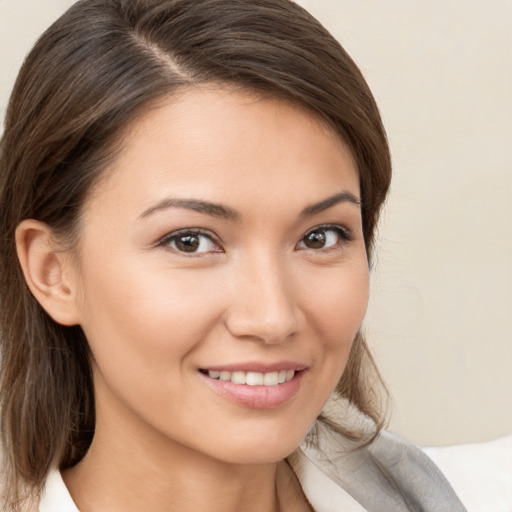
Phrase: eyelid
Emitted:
{"points": [[345, 232]]}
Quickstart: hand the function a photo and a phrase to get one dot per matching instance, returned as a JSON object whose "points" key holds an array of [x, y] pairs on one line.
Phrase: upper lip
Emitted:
{"points": [[257, 366]]}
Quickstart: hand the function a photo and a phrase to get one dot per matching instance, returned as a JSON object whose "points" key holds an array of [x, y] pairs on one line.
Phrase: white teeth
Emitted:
{"points": [[271, 379], [253, 378], [238, 378]]}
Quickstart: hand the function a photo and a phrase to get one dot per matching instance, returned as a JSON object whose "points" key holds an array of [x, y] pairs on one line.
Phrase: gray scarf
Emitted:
{"points": [[388, 475]]}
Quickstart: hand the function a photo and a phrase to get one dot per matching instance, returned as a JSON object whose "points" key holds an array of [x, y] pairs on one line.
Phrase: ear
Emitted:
{"points": [[49, 274]]}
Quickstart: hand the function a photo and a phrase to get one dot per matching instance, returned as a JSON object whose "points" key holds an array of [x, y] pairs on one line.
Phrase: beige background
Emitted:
{"points": [[440, 319]]}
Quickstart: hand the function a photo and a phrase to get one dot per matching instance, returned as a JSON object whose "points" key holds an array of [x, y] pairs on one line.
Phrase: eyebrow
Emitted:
{"points": [[212, 209], [225, 212], [341, 197]]}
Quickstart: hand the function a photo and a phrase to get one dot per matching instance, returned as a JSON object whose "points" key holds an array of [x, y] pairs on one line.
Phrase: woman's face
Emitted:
{"points": [[223, 276]]}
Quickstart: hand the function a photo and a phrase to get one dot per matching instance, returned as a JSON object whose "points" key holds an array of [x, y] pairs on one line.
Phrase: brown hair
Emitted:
{"points": [[86, 79]]}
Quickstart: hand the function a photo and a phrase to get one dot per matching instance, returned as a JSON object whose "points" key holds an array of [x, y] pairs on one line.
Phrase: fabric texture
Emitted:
{"points": [[480, 473], [389, 475]]}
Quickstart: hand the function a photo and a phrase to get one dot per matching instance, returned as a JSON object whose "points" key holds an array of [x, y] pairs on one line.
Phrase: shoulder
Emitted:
{"points": [[388, 475], [480, 473]]}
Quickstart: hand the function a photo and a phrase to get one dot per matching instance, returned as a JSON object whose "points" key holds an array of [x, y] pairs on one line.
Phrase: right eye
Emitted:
{"points": [[191, 242], [323, 238]]}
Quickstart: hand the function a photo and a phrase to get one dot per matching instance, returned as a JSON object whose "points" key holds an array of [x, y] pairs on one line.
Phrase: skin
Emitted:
{"points": [[255, 292]]}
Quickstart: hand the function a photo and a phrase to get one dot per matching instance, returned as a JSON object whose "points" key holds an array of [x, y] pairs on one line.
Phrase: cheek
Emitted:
{"points": [[339, 304], [144, 327], [147, 317], [338, 301]]}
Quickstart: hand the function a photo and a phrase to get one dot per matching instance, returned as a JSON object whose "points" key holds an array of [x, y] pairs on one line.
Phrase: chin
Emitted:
{"points": [[261, 447]]}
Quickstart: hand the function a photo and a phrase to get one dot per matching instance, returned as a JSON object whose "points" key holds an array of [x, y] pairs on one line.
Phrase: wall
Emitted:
{"points": [[440, 319]]}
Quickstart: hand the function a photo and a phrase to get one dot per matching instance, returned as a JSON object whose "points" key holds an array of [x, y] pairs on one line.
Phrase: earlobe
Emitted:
{"points": [[47, 272]]}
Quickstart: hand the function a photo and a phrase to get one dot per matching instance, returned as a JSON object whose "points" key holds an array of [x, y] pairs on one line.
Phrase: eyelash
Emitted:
{"points": [[343, 234]]}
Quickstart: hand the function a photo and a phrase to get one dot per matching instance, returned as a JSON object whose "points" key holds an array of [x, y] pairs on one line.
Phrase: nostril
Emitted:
{"points": [[263, 304], [268, 332]]}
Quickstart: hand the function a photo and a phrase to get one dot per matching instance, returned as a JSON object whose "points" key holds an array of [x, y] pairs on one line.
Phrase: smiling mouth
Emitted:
{"points": [[252, 378], [253, 389]]}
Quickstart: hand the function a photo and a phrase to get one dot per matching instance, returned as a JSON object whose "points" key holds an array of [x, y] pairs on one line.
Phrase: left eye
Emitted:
{"points": [[323, 238], [191, 242]]}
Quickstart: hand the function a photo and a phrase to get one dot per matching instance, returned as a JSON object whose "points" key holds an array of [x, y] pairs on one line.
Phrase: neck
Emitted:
{"points": [[95, 488], [125, 471]]}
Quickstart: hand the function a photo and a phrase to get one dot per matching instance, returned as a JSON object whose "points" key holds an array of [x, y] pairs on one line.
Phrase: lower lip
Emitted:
{"points": [[256, 397]]}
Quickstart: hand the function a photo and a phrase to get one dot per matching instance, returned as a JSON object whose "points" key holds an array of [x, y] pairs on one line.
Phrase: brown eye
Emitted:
{"points": [[191, 242], [324, 237], [188, 243], [315, 240]]}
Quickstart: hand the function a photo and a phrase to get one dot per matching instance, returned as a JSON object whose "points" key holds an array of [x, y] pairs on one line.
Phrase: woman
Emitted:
{"points": [[189, 191]]}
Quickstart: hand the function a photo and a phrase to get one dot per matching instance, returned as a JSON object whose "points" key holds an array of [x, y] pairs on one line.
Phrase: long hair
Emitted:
{"points": [[87, 78]]}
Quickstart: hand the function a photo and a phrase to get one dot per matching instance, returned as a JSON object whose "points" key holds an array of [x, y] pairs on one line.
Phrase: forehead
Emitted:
{"points": [[230, 143]]}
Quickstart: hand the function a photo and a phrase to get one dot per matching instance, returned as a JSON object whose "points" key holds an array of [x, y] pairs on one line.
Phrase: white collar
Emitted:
{"points": [[324, 494], [56, 497]]}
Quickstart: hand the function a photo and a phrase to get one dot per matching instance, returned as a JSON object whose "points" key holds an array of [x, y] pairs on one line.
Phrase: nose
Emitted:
{"points": [[263, 303]]}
